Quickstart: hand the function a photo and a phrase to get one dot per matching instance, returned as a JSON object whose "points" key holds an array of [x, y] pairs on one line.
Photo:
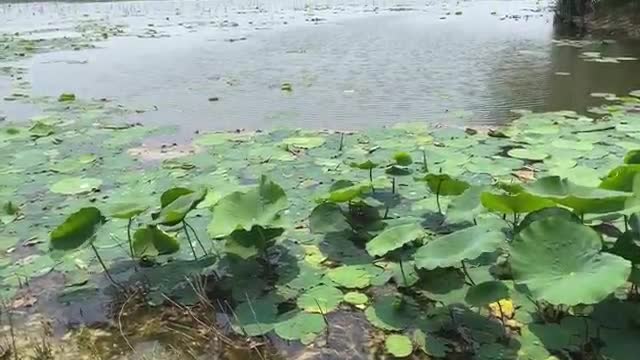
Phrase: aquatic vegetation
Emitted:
{"points": [[472, 260]]}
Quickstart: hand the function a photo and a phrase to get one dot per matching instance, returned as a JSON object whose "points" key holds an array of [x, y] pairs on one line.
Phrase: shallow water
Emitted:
{"points": [[365, 63]]}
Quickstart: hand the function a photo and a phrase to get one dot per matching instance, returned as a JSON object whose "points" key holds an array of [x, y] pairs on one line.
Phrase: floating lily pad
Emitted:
{"points": [[527, 154], [304, 142], [255, 318], [320, 299], [350, 276], [356, 298], [75, 185], [389, 313], [300, 325], [398, 345]]}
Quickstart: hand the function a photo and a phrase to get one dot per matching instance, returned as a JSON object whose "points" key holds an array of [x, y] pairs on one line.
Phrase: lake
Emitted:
{"points": [[349, 64]]}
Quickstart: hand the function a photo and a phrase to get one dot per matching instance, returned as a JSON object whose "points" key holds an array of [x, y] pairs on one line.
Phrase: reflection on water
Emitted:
{"points": [[360, 65]]}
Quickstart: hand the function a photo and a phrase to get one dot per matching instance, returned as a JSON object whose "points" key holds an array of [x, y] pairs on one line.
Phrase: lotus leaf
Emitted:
{"points": [[260, 206], [398, 345], [78, 229], [450, 250], [394, 238], [561, 262]]}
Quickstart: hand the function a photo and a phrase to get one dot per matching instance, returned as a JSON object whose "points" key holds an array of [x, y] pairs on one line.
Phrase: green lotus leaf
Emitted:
{"points": [[632, 157], [350, 276], [212, 139], [304, 142], [621, 178], [246, 244], [320, 299], [398, 345], [486, 293], [72, 165], [8, 212], [75, 185], [260, 206], [550, 212], [255, 318], [514, 204], [151, 241], [527, 154], [299, 325], [78, 229], [466, 244], [635, 93], [66, 97], [175, 211], [127, 210], [339, 193], [388, 313], [365, 165], [356, 298], [627, 246], [41, 129], [430, 345], [395, 170], [172, 194], [561, 262], [581, 199], [444, 184], [467, 206], [402, 158], [328, 218], [394, 238]]}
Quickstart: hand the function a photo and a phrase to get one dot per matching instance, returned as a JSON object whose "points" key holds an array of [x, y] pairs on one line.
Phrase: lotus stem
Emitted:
{"points": [[371, 179], [197, 238], [186, 232], [341, 141], [424, 161], [393, 185], [438, 196], [106, 271], [466, 273], [626, 223], [404, 277]]}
